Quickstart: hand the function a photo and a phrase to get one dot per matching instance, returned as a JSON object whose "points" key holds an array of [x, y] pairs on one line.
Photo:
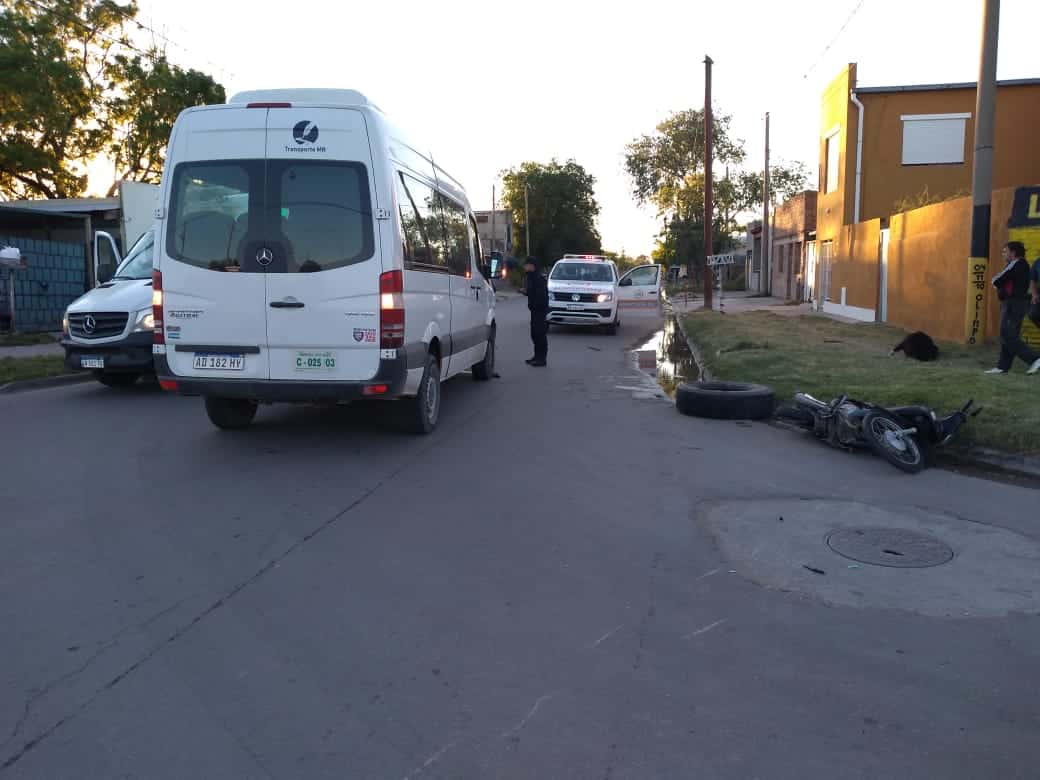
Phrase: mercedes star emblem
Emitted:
{"points": [[264, 256], [89, 324]]}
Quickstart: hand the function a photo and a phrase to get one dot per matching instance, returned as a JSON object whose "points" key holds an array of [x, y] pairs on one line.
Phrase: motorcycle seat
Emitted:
{"points": [[911, 411]]}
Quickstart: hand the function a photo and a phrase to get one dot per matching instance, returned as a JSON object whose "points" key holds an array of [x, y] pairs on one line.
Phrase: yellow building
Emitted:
{"points": [[887, 150]]}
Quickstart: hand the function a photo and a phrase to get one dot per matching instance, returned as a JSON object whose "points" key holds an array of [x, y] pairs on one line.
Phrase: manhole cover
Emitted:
{"points": [[889, 547]]}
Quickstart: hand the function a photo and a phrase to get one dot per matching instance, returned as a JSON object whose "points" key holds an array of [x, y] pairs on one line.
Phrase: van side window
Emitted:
{"points": [[415, 241], [421, 224], [474, 239], [457, 236]]}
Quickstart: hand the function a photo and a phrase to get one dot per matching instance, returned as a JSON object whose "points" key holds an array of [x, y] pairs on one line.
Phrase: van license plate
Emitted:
{"points": [[209, 361], [574, 307], [86, 362], [315, 361]]}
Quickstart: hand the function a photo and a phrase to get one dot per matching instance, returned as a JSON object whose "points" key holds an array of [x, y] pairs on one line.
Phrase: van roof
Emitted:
{"points": [[333, 97]]}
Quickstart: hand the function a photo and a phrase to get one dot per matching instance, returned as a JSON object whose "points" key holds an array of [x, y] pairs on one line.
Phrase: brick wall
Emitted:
{"points": [[54, 279]]}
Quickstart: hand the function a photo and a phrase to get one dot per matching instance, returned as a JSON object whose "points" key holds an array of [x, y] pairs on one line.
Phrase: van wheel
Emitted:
{"points": [[109, 379], [485, 369], [230, 414], [612, 328], [420, 414]]}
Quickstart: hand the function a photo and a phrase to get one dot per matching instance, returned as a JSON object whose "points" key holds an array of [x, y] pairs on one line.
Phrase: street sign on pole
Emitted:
{"points": [[718, 262], [727, 259]]}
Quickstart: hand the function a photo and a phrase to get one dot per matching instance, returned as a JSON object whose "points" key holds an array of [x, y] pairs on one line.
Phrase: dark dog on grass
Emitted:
{"points": [[917, 345]]}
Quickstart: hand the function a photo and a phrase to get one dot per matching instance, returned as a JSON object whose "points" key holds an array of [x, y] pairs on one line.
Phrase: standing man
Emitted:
{"points": [[1034, 293], [538, 304], [1013, 289]]}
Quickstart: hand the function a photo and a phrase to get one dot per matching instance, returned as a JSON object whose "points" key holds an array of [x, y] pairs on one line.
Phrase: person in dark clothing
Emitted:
{"points": [[538, 304], [1013, 290], [1034, 293]]}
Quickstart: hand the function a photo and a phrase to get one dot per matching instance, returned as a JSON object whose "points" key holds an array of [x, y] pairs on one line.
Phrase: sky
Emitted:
{"points": [[488, 85]]}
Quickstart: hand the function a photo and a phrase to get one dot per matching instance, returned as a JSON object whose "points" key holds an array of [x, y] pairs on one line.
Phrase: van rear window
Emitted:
{"points": [[274, 216]]}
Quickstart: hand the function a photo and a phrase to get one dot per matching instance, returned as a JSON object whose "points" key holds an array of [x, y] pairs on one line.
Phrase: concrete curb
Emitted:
{"points": [[44, 383], [987, 459], [698, 358], [981, 458]]}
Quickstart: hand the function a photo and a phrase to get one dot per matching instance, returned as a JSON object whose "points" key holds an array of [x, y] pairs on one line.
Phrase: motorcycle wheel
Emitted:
{"points": [[882, 433]]}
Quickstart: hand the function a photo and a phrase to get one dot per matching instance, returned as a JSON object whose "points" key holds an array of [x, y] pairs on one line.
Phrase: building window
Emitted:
{"points": [[933, 139], [831, 156], [826, 260]]}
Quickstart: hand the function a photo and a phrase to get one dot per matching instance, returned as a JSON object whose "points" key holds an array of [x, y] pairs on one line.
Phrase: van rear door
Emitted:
{"points": [[322, 301], [215, 302]]}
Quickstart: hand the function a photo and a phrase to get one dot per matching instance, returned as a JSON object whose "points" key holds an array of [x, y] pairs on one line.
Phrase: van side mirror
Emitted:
{"points": [[626, 282], [105, 273]]}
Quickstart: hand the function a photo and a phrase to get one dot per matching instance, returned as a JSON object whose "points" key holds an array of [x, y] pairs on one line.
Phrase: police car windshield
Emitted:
{"points": [[582, 272]]}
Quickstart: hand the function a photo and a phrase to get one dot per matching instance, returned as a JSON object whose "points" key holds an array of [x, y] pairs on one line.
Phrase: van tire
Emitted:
{"points": [[725, 400], [485, 369], [230, 414], [419, 415], [110, 379], [612, 328]]}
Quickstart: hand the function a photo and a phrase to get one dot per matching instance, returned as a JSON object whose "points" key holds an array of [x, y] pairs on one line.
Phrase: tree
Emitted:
{"points": [[154, 93], [56, 59], [74, 88], [666, 169], [563, 208]]}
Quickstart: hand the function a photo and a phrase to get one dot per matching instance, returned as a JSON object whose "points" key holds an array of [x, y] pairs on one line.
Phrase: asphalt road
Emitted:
{"points": [[531, 592]]}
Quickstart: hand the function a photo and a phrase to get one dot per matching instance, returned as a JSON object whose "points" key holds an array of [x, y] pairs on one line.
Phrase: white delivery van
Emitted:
{"points": [[308, 252], [108, 330]]}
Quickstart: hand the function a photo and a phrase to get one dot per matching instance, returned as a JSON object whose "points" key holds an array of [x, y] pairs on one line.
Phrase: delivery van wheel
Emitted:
{"points": [[419, 415], [485, 369], [110, 379], [230, 414]]}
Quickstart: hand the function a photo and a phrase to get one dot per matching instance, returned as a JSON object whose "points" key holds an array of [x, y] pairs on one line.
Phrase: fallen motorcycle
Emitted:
{"points": [[905, 436]]}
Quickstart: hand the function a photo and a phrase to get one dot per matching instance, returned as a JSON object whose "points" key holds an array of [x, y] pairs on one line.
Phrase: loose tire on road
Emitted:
{"points": [[110, 379], [485, 369], [230, 414], [725, 400]]}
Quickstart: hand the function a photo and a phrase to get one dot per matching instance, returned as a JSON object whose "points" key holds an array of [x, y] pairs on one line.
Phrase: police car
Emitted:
{"points": [[583, 291]]}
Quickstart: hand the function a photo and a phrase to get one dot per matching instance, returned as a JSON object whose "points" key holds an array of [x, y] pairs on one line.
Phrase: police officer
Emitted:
{"points": [[538, 304]]}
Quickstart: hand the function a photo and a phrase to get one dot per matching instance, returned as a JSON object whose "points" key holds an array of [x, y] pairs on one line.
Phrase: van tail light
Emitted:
{"points": [[268, 105], [391, 310], [159, 332]]}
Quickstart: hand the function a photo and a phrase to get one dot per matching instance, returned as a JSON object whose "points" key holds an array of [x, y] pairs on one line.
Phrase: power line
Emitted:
{"points": [[834, 39], [144, 27], [149, 55]]}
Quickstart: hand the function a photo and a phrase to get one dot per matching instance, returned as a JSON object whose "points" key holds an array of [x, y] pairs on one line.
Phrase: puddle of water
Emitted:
{"points": [[667, 357]]}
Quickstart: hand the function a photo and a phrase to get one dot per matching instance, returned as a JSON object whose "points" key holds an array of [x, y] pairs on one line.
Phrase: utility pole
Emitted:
{"points": [[527, 220], [709, 207], [982, 175], [763, 277], [492, 242]]}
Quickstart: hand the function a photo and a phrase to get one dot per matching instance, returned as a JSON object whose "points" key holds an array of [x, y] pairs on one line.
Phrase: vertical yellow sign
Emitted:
{"points": [[975, 311]]}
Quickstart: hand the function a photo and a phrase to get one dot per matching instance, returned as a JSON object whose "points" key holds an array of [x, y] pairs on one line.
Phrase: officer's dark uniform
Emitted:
{"points": [[538, 303]]}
